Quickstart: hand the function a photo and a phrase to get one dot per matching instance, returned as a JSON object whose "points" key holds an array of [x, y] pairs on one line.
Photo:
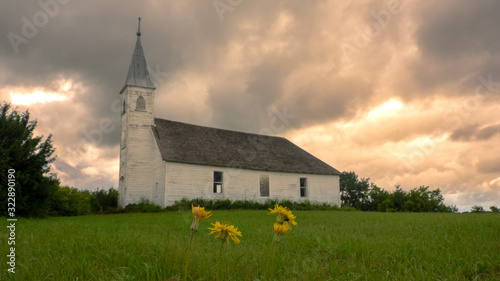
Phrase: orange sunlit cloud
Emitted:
{"points": [[35, 97], [28, 96]]}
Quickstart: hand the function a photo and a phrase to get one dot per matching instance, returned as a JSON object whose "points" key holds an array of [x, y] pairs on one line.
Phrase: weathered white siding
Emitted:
{"points": [[159, 167], [137, 179], [195, 181]]}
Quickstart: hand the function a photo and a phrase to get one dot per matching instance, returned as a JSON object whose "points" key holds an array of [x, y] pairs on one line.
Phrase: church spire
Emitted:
{"points": [[138, 71], [139, 28]]}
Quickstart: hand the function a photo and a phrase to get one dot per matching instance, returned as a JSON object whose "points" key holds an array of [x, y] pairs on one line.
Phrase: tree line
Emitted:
{"points": [[365, 196], [70, 201]]}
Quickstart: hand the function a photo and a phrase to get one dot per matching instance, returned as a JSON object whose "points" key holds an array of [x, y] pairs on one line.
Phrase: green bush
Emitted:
{"points": [[68, 201], [104, 201], [477, 209], [348, 209], [144, 206], [185, 204]]}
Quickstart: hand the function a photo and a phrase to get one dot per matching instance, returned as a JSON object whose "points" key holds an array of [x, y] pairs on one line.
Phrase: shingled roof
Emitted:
{"points": [[192, 144]]}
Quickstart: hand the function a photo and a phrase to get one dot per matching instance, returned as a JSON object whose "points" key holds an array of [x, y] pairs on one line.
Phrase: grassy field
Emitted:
{"points": [[326, 245]]}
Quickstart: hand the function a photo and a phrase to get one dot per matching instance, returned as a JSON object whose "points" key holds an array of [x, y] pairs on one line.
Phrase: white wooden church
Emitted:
{"points": [[164, 161]]}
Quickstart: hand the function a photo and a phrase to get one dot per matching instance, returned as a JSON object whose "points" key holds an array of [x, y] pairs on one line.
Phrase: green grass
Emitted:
{"points": [[326, 245]]}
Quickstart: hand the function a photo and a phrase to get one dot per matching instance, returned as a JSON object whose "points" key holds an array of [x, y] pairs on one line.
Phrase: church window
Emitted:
{"points": [[217, 182], [121, 184], [123, 139], [264, 185], [303, 187], [124, 107], [140, 104]]}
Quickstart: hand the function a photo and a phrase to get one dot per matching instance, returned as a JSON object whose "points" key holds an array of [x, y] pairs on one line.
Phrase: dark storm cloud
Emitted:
{"points": [[248, 108], [245, 105], [330, 99], [474, 133], [92, 42], [465, 133], [457, 40], [78, 41], [459, 29]]}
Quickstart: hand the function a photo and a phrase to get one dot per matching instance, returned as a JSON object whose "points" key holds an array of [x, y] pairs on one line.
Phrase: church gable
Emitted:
{"points": [[192, 144]]}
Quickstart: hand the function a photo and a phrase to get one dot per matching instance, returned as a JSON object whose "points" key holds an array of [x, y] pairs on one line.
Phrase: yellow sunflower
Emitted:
{"points": [[285, 216], [280, 229], [225, 230], [199, 213]]}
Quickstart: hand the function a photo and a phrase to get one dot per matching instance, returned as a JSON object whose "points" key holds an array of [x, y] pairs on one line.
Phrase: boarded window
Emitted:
{"points": [[264, 185], [217, 182], [121, 184], [140, 105], [303, 187], [123, 139]]}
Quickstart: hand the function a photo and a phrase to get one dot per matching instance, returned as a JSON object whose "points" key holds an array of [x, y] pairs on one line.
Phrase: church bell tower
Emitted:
{"points": [[137, 141]]}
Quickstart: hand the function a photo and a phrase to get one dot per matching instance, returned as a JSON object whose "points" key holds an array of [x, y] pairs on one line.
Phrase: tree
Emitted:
{"points": [[374, 199], [29, 157], [394, 201], [424, 200], [494, 209], [452, 209], [477, 209], [69, 201], [353, 191], [366, 196], [104, 201]]}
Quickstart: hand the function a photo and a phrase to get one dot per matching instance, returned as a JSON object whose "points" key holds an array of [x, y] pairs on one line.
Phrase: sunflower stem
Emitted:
{"points": [[218, 260], [186, 266], [273, 258]]}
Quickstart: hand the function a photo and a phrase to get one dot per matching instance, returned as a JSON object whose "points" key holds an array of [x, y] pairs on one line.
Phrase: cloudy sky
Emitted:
{"points": [[402, 92]]}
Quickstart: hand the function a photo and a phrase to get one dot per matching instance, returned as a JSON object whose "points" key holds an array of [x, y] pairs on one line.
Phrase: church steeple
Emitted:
{"points": [[137, 154], [138, 71]]}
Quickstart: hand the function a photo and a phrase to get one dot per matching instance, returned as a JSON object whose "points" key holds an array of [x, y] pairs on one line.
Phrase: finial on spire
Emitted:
{"points": [[139, 28]]}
